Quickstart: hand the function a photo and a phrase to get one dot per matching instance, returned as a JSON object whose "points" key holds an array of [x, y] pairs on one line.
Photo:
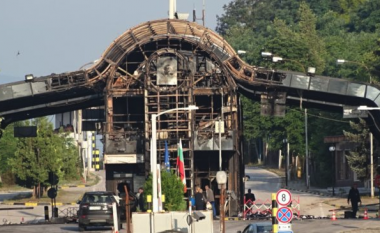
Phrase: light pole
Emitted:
{"points": [[221, 179], [153, 151], [366, 108], [285, 141], [332, 149], [342, 61]]}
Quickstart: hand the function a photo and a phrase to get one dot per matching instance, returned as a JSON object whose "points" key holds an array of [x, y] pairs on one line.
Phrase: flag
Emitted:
{"points": [[167, 163], [181, 166]]}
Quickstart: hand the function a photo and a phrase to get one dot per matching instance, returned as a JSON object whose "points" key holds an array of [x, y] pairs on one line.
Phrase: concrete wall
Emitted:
{"points": [[142, 222]]}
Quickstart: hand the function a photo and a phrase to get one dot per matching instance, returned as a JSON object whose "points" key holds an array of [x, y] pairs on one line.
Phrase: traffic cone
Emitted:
{"points": [[365, 214], [333, 218]]}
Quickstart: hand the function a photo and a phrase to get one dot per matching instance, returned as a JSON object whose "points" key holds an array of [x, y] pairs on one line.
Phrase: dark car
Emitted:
{"points": [[95, 209], [258, 227]]}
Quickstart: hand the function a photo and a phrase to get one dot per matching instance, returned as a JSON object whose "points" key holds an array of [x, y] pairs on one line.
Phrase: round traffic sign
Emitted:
{"points": [[284, 215], [52, 193], [283, 197]]}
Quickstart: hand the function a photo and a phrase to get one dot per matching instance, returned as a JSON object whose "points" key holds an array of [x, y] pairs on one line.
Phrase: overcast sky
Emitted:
{"points": [[41, 37]]}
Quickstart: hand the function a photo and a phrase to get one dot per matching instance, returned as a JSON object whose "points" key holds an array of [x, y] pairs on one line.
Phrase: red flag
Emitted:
{"points": [[181, 165]]}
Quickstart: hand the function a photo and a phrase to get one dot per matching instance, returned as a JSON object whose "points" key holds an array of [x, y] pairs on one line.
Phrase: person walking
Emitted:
{"points": [[354, 197], [210, 198], [199, 199], [141, 200]]}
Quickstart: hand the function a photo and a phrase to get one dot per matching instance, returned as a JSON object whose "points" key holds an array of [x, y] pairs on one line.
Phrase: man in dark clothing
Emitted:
{"points": [[354, 196], [141, 200], [200, 200], [250, 196]]}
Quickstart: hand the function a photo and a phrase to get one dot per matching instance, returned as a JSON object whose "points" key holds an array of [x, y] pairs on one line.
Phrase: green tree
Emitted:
{"points": [[48, 152], [8, 145], [172, 188], [313, 33], [357, 159]]}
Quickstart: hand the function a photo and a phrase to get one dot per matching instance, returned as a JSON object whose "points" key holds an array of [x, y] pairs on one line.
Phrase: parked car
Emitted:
{"points": [[95, 209], [258, 227]]}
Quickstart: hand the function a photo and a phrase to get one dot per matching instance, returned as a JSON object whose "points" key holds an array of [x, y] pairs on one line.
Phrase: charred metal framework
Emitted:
{"points": [[169, 64], [170, 71]]}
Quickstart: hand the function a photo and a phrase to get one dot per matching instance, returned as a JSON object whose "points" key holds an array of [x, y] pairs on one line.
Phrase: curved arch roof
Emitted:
{"points": [[60, 89]]}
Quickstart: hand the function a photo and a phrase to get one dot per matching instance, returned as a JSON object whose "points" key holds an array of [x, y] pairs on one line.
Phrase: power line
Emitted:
{"points": [[321, 117]]}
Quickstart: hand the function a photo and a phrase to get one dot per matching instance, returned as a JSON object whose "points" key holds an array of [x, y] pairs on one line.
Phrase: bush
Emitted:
{"points": [[172, 188]]}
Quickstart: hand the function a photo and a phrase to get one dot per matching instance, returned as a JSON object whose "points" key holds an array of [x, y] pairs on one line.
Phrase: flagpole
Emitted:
{"points": [[153, 152]]}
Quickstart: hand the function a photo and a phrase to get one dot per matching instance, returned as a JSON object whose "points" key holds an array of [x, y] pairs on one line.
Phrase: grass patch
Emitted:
{"points": [[91, 180], [63, 195], [12, 188]]}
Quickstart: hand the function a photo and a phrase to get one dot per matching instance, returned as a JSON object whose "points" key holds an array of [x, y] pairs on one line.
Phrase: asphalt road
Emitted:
{"points": [[298, 226], [262, 183]]}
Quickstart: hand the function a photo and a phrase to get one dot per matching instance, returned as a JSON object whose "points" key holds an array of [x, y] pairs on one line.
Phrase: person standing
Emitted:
{"points": [[210, 199], [354, 197], [141, 201], [250, 196], [199, 199]]}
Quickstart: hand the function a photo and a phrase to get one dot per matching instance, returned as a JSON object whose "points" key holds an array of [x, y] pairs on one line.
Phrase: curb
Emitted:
{"points": [[74, 186], [36, 203], [309, 191]]}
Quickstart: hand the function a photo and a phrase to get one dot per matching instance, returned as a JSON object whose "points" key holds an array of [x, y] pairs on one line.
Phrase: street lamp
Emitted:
{"points": [[279, 59], [153, 151], [342, 61], [221, 179], [332, 149], [366, 108]]}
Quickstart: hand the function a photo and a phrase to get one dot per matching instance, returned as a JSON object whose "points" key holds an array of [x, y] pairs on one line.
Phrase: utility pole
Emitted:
{"points": [[307, 152], [371, 144]]}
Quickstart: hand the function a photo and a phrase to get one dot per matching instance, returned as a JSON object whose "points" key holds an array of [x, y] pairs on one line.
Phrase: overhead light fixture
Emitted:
{"points": [[364, 107], [276, 59], [311, 71], [266, 54], [29, 78], [340, 61]]}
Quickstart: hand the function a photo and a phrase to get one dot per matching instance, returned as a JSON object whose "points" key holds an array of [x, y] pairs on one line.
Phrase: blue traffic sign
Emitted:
{"points": [[284, 215]]}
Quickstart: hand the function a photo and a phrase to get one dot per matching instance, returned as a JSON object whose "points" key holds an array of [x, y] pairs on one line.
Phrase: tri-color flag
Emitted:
{"points": [[181, 166]]}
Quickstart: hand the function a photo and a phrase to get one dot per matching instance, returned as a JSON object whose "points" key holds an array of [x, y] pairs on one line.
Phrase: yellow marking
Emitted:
{"points": [[31, 203]]}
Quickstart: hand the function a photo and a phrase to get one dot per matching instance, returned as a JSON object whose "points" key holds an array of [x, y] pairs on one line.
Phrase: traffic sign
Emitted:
{"points": [[287, 227], [377, 180], [284, 215], [52, 193], [283, 197]]}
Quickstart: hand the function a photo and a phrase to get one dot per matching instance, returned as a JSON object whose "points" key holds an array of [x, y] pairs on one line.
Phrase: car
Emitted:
{"points": [[258, 227], [95, 209]]}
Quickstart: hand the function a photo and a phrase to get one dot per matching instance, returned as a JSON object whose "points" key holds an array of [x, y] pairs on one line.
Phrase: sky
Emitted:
{"points": [[42, 37]]}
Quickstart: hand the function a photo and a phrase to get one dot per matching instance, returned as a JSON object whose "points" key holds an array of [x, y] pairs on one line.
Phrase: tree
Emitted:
{"points": [[48, 152], [172, 188], [357, 159], [8, 145]]}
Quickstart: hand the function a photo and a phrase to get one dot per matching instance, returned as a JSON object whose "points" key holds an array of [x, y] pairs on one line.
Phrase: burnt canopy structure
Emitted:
{"points": [[163, 65], [170, 64]]}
